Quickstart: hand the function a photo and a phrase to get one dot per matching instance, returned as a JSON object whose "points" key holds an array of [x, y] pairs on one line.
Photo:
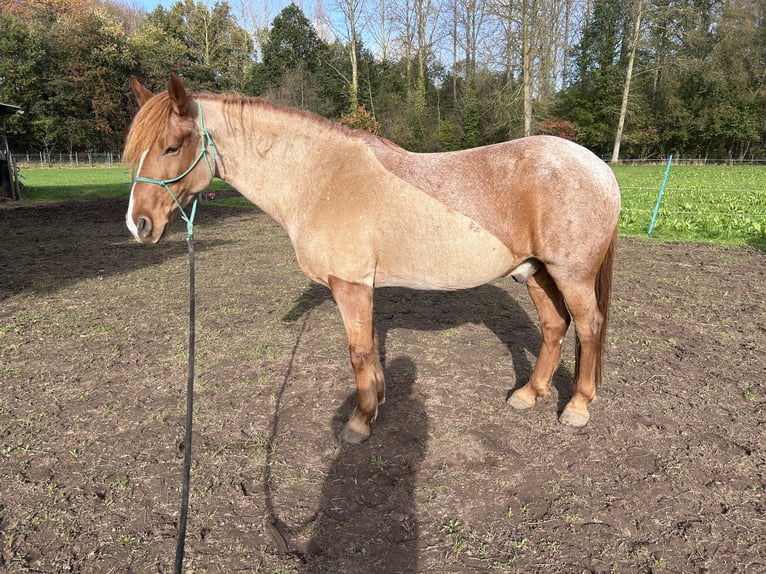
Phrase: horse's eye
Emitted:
{"points": [[170, 150]]}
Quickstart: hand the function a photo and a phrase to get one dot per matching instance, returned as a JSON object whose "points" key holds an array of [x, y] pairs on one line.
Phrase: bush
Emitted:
{"points": [[361, 119]]}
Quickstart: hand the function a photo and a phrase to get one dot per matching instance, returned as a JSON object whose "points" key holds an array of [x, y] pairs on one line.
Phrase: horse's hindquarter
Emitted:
{"points": [[542, 196]]}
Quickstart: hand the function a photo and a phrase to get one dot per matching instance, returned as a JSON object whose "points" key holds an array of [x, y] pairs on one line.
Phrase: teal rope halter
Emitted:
{"points": [[207, 146]]}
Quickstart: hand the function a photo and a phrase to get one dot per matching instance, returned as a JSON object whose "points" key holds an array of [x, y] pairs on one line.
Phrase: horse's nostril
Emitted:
{"points": [[144, 227]]}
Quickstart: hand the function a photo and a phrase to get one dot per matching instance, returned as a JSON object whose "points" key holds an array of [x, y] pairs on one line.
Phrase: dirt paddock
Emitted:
{"points": [[669, 475]]}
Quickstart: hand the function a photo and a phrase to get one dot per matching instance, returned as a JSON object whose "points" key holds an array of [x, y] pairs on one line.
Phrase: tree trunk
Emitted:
{"points": [[526, 63], [354, 87], [626, 90]]}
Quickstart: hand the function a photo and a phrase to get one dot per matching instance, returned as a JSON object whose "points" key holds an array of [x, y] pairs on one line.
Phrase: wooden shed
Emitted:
{"points": [[9, 174]]}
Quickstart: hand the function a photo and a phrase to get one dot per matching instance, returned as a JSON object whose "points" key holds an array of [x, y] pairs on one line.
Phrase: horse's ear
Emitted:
{"points": [[177, 94], [142, 93]]}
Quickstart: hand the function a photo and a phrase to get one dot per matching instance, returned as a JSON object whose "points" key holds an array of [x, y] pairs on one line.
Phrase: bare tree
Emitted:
{"points": [[469, 18], [381, 26], [626, 89]]}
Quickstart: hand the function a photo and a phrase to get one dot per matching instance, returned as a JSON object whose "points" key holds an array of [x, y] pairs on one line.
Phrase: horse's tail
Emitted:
{"points": [[603, 290], [604, 296]]}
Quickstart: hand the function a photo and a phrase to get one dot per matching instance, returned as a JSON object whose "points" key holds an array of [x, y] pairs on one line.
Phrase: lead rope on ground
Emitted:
{"points": [[182, 518]]}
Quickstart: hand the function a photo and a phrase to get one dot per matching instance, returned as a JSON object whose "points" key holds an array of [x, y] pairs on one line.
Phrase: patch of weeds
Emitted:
{"points": [[572, 518], [645, 344], [462, 480], [378, 462], [261, 444], [703, 390], [454, 531], [520, 545], [120, 485], [108, 409]]}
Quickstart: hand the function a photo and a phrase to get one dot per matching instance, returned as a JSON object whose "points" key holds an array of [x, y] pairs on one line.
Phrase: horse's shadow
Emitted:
{"points": [[367, 518], [490, 305], [369, 491]]}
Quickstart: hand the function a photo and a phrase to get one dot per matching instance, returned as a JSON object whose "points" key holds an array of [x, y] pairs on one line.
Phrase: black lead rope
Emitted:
{"points": [[180, 543]]}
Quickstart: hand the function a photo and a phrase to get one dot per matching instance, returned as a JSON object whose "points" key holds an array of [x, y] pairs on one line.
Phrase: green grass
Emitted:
{"points": [[85, 183], [716, 204], [75, 183]]}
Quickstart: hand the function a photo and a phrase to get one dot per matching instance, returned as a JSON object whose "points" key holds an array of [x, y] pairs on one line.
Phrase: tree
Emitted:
{"points": [[626, 89], [25, 76], [592, 102], [292, 43], [206, 46], [295, 58], [67, 65], [351, 10]]}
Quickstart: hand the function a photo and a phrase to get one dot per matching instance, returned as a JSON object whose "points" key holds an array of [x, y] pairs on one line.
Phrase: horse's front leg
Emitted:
{"points": [[355, 303]]}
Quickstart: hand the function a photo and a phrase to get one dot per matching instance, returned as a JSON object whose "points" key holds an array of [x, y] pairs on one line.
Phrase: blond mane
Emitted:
{"points": [[148, 123], [146, 127]]}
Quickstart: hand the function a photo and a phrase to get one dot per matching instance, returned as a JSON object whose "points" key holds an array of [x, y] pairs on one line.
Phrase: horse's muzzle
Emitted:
{"points": [[143, 228]]}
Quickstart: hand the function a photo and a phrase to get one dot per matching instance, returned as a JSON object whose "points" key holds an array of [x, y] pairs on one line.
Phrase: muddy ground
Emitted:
{"points": [[669, 475]]}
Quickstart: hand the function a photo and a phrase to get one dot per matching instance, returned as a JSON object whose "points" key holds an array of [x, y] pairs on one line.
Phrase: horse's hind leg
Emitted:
{"points": [[554, 322], [589, 322], [355, 304]]}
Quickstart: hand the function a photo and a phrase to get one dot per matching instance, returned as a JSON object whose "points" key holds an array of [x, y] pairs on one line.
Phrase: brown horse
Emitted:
{"points": [[362, 213]]}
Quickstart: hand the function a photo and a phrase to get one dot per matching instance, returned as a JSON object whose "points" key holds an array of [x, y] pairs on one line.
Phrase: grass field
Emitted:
{"points": [[717, 204]]}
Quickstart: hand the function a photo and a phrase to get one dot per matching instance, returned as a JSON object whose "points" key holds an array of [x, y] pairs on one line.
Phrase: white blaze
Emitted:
{"points": [[129, 221]]}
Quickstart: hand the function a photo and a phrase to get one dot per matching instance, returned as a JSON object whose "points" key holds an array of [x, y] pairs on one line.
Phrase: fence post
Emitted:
{"points": [[659, 197]]}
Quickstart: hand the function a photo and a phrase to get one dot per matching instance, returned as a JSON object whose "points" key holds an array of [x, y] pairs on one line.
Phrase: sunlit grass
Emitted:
{"points": [[718, 204], [82, 183]]}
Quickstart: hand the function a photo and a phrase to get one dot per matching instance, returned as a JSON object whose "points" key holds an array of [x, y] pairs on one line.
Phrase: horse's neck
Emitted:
{"points": [[270, 156]]}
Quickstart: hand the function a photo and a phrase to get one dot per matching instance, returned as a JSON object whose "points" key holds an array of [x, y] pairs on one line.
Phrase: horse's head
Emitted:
{"points": [[172, 155]]}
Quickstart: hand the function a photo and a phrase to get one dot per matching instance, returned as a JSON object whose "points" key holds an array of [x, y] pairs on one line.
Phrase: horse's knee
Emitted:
{"points": [[361, 356]]}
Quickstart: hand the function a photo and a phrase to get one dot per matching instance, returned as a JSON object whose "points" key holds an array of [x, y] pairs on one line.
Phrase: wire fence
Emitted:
{"points": [[79, 159], [66, 159]]}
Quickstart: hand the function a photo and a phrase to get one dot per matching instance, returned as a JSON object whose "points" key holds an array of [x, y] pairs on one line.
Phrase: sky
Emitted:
{"points": [[262, 11], [150, 5]]}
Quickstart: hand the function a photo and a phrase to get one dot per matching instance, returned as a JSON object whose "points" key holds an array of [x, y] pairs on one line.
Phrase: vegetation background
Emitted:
{"points": [[637, 79]]}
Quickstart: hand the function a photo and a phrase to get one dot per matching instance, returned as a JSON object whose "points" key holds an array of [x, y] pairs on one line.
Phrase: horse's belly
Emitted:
{"points": [[395, 235], [451, 252]]}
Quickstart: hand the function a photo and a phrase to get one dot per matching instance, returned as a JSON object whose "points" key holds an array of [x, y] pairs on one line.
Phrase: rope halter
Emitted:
{"points": [[207, 152]]}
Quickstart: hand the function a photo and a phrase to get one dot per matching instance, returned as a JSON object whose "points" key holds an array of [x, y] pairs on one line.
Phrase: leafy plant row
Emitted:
{"points": [[700, 203]]}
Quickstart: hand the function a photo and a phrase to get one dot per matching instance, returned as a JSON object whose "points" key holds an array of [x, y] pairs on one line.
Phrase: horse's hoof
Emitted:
{"points": [[519, 401], [350, 436], [573, 418]]}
